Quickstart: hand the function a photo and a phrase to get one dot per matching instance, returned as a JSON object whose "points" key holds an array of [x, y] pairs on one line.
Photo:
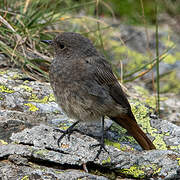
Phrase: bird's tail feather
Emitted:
{"points": [[130, 124]]}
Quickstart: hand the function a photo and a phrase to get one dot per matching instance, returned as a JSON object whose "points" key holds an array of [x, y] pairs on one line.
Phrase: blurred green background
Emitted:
{"points": [[118, 28]]}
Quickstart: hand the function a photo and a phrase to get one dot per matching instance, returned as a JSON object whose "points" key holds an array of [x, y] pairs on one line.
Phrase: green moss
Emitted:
{"points": [[167, 42], [121, 51], [170, 59], [177, 55], [172, 84]]}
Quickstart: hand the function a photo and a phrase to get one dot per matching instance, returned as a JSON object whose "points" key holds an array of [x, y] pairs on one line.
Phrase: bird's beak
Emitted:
{"points": [[47, 42]]}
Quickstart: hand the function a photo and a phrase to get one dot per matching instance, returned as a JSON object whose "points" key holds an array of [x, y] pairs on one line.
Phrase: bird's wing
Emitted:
{"points": [[104, 76]]}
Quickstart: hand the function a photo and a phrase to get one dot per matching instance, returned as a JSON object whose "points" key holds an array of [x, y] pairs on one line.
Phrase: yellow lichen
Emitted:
{"points": [[44, 100], [25, 178], [150, 100], [108, 160], [42, 152], [51, 98], [58, 172], [27, 88], [134, 171], [117, 145], [175, 147], [114, 144], [16, 76], [2, 72], [155, 168], [63, 126], [5, 89], [26, 82], [139, 171], [142, 91], [142, 117], [1, 98], [122, 138], [3, 142], [178, 161], [32, 107]]}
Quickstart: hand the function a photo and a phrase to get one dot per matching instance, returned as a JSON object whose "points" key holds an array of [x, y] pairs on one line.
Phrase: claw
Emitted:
{"points": [[102, 147], [68, 131], [60, 138]]}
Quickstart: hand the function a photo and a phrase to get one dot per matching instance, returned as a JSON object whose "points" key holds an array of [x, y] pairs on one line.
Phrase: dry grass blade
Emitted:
{"points": [[11, 28]]}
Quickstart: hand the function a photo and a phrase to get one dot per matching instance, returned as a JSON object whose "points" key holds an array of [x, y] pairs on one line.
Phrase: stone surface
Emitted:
{"points": [[11, 171], [39, 144], [29, 123]]}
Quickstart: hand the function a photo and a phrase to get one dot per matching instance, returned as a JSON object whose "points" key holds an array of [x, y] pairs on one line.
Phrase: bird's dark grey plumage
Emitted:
{"points": [[86, 88]]}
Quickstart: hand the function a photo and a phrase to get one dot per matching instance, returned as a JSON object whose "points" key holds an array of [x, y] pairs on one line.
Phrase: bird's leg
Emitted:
{"points": [[68, 131], [101, 144]]}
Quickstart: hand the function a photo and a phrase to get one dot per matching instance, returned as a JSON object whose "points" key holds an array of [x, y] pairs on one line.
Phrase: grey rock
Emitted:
{"points": [[7, 127], [18, 160], [38, 145], [40, 142], [10, 171]]}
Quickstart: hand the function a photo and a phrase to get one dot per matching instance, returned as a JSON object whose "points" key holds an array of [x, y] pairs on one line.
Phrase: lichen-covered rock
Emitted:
{"points": [[77, 151], [33, 171], [29, 122]]}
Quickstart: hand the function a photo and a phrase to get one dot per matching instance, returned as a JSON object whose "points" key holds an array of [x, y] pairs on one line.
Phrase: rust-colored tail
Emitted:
{"points": [[129, 123]]}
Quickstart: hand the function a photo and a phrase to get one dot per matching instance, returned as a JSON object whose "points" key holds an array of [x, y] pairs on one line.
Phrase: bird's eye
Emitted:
{"points": [[61, 46]]}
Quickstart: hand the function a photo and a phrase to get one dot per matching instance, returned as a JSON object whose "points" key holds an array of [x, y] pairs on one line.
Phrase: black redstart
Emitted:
{"points": [[86, 88]]}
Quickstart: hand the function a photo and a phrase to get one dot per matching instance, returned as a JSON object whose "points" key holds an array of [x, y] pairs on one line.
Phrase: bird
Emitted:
{"points": [[86, 88]]}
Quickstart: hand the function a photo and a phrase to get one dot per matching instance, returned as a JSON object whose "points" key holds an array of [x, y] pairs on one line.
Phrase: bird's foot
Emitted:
{"points": [[101, 144], [68, 132], [102, 147]]}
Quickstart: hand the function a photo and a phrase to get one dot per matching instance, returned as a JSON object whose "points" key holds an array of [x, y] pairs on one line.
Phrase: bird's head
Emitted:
{"points": [[69, 43]]}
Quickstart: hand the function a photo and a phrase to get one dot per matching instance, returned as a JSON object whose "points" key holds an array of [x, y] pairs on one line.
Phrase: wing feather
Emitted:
{"points": [[105, 76]]}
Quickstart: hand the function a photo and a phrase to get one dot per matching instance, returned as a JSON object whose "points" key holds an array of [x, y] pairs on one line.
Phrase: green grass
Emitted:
{"points": [[23, 24]]}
